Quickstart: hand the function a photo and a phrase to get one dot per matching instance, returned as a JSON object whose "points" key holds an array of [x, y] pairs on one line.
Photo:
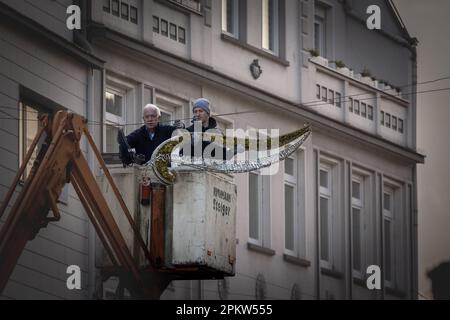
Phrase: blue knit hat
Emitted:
{"points": [[203, 104]]}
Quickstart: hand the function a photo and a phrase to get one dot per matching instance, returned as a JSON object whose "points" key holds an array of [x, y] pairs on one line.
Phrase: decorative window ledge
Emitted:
{"points": [[253, 49], [260, 249], [332, 273], [295, 260], [346, 73]]}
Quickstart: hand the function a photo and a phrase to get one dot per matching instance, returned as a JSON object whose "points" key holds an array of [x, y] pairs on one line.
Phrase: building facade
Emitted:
{"points": [[346, 200]]}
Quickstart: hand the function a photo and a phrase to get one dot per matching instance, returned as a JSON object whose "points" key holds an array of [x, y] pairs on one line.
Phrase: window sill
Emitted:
{"points": [[111, 158], [253, 49], [332, 273], [298, 261], [260, 249]]}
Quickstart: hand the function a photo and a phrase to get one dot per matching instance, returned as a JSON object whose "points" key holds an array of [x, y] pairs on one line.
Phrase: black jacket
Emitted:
{"points": [[140, 139], [211, 125], [227, 154]]}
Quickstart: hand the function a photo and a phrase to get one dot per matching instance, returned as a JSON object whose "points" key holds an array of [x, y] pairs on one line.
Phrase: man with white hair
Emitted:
{"points": [[148, 137]]}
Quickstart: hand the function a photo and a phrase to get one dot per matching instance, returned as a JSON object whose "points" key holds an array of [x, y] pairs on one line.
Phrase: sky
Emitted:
{"points": [[429, 22]]}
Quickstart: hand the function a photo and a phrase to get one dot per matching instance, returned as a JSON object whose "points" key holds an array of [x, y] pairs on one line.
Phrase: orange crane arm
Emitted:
{"points": [[61, 161]]}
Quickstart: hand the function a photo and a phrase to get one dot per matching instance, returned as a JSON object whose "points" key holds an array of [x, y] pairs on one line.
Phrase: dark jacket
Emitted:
{"points": [[227, 154], [211, 125], [140, 139]]}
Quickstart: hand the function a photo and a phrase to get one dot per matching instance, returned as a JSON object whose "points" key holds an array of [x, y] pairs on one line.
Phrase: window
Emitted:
{"points": [[331, 96], [155, 24], [338, 99], [181, 35], [107, 6], [400, 125], [115, 117], [350, 106], [270, 25], [290, 202], [324, 94], [363, 109], [369, 112], [230, 17], [388, 120], [394, 123], [124, 10], [356, 105], [164, 28], [115, 7], [29, 127], [133, 15], [325, 208], [259, 210], [318, 91], [382, 118], [358, 224], [320, 30], [294, 210], [173, 31], [388, 231]]}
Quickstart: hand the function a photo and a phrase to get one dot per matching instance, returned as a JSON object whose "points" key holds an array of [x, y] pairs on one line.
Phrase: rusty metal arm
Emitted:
{"points": [[62, 154]]}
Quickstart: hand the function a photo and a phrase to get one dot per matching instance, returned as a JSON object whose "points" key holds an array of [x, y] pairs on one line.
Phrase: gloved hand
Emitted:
{"points": [[178, 124]]}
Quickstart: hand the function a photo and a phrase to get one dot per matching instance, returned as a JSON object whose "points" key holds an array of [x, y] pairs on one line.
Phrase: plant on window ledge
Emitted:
{"points": [[339, 64], [365, 72], [366, 77], [315, 56], [313, 52]]}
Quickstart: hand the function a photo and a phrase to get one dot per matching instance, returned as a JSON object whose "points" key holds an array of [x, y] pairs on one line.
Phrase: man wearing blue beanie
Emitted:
{"points": [[202, 112]]}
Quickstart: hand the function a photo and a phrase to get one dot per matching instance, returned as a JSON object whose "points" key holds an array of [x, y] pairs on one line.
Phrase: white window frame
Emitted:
{"points": [[361, 206], [327, 193], [320, 32], [235, 18], [291, 181], [331, 99], [370, 112], [363, 109], [390, 216], [263, 209], [110, 118], [267, 32], [298, 182]]}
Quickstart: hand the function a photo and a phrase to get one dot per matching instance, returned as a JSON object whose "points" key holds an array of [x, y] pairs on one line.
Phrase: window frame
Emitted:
{"points": [[370, 112], [111, 119], [387, 120], [357, 107], [400, 125], [327, 193], [389, 214], [322, 23], [361, 205], [331, 99], [234, 18], [270, 37], [363, 109], [291, 181], [338, 99], [263, 210]]}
